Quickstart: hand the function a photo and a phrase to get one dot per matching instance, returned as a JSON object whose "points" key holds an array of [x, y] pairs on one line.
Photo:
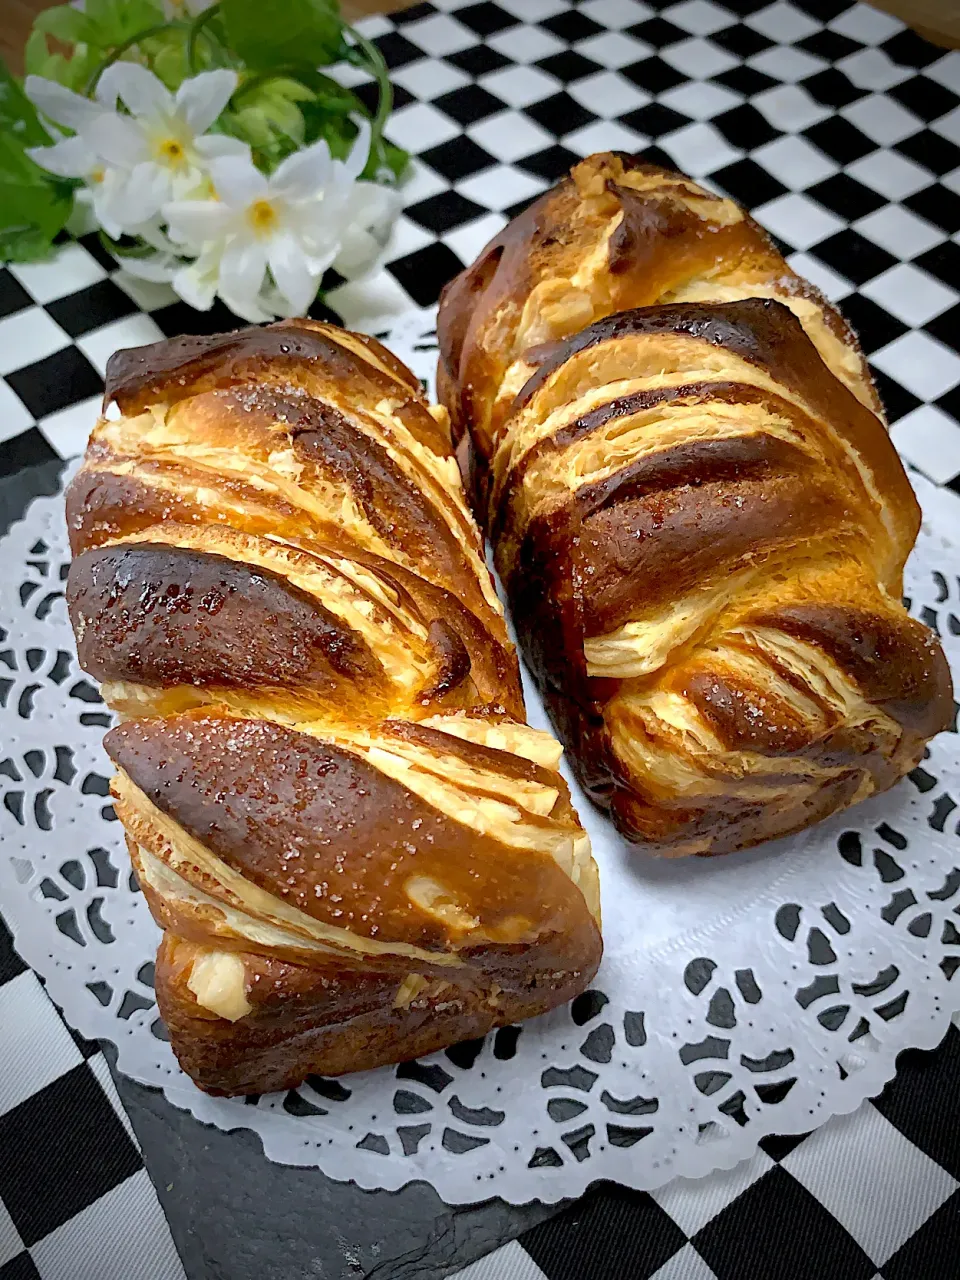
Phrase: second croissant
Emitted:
{"points": [[700, 520]]}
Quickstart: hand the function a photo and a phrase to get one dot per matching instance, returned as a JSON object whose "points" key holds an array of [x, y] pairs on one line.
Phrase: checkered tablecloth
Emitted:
{"points": [[841, 130]]}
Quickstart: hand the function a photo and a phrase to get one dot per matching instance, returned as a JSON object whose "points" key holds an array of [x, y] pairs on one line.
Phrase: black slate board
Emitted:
{"points": [[236, 1216]]}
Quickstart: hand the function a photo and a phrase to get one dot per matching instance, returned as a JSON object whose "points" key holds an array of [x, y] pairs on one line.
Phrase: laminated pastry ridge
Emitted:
{"points": [[356, 848], [680, 457]]}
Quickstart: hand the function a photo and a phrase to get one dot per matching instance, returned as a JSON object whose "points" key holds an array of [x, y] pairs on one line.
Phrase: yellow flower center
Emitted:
{"points": [[97, 176], [262, 217], [171, 152]]}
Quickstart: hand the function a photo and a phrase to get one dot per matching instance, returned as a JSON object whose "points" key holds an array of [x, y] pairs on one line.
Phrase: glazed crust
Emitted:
{"points": [[616, 234], [701, 522], [340, 1019], [357, 850]]}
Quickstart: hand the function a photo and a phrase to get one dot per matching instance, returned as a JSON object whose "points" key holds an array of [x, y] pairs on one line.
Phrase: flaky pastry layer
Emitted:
{"points": [[700, 519], [357, 850]]}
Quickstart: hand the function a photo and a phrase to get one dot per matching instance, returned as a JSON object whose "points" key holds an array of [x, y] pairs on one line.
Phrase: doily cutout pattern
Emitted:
{"points": [[761, 993]]}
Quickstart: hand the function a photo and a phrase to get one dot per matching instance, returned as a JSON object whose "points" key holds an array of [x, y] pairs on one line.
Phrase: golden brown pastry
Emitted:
{"points": [[696, 510], [357, 850]]}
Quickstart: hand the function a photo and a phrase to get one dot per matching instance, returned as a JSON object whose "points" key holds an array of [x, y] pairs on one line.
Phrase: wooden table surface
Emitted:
{"points": [[16, 19]]}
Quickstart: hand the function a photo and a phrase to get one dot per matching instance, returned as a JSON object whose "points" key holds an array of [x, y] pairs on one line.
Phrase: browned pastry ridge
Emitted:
{"points": [[679, 455], [357, 850]]}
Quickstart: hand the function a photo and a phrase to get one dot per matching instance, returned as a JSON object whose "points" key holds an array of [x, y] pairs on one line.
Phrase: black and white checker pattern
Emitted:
{"points": [[870, 1196], [841, 130], [76, 1202]]}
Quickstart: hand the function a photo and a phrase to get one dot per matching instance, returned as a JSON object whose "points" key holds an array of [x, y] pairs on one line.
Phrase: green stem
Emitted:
{"points": [[196, 27], [377, 67], [121, 49]]}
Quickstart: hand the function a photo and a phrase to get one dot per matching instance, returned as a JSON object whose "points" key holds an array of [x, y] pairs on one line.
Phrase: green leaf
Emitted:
{"points": [[76, 72], [167, 56], [340, 131], [251, 125], [285, 118], [73, 72], [291, 124], [294, 33], [168, 66], [23, 243], [118, 20], [291, 90], [33, 205], [333, 98], [273, 128], [336, 130], [395, 158], [19, 123], [330, 119], [36, 55], [67, 25]]}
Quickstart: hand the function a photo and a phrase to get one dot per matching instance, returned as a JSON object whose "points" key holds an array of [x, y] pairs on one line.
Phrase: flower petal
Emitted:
{"points": [[201, 98], [60, 104], [242, 268], [139, 195], [246, 308], [356, 161], [271, 299], [291, 270], [117, 139], [71, 158], [196, 287], [304, 174], [106, 93], [152, 233], [357, 255], [369, 213], [143, 92], [196, 221], [189, 184], [319, 242], [214, 145], [159, 267], [238, 181], [372, 206], [103, 195]]}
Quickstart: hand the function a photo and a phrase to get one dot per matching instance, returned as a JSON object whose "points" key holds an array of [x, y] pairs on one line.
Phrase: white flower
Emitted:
{"points": [[160, 144], [295, 223], [368, 214], [73, 157], [154, 154], [65, 107]]}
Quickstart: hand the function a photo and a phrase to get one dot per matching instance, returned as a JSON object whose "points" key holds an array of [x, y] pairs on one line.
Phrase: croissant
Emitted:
{"points": [[677, 450], [357, 851]]}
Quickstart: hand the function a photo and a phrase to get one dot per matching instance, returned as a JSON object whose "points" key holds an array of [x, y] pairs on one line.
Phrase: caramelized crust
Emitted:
{"points": [[697, 512], [357, 850], [616, 234]]}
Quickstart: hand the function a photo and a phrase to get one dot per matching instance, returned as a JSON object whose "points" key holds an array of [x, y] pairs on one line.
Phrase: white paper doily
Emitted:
{"points": [[759, 993]]}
